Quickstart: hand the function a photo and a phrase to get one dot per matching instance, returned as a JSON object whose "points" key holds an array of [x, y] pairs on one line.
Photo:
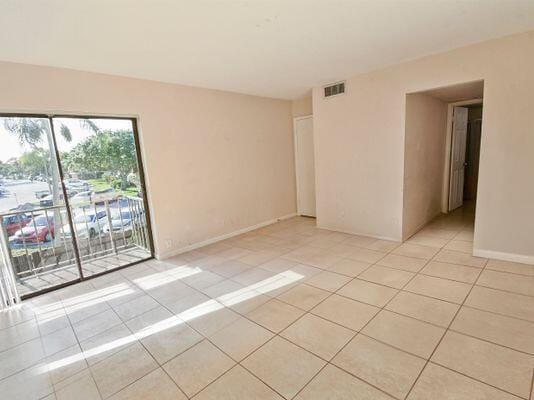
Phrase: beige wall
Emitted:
{"points": [[424, 161], [359, 140], [302, 107], [215, 162]]}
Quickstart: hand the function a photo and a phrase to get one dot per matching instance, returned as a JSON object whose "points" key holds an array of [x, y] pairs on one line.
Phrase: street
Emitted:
{"points": [[19, 192]]}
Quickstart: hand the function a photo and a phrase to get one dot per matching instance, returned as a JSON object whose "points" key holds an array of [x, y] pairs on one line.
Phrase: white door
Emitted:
{"points": [[305, 166], [459, 141]]}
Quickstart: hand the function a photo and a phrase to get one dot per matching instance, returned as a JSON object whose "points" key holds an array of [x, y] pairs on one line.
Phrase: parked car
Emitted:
{"points": [[82, 197], [119, 221], [85, 225], [76, 185], [13, 223], [42, 193], [37, 230], [48, 201], [102, 195]]}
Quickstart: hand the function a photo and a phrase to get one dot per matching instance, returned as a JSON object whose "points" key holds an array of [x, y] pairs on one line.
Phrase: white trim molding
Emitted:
{"points": [[197, 245], [498, 255]]}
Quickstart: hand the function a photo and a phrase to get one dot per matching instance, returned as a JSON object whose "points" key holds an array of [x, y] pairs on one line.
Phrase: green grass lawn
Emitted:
{"points": [[101, 184]]}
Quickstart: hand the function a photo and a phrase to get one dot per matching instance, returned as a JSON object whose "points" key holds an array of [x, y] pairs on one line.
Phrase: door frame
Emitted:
{"points": [[445, 197], [142, 178], [295, 147]]}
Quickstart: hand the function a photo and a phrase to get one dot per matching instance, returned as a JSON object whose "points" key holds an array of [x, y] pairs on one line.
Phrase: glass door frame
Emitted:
{"points": [[67, 205]]}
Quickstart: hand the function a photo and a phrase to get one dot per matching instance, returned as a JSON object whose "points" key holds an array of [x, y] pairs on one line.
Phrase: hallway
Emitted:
{"points": [[287, 311]]}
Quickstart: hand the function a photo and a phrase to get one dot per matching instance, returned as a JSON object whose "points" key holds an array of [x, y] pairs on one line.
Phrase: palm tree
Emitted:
{"points": [[31, 132]]}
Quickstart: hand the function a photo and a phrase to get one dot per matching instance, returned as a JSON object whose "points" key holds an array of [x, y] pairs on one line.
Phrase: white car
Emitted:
{"points": [[82, 197], [86, 225]]}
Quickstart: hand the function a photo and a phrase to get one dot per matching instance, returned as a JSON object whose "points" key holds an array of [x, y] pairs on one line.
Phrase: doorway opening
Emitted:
{"points": [[442, 150], [466, 130]]}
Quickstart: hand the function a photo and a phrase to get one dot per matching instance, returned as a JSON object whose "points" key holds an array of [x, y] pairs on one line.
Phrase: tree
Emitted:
{"points": [[35, 162], [33, 131], [111, 152]]}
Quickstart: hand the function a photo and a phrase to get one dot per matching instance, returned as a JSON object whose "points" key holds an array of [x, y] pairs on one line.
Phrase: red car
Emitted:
{"points": [[15, 222], [37, 230]]}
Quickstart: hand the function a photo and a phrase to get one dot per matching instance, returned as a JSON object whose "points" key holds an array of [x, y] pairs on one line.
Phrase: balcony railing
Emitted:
{"points": [[38, 241]]}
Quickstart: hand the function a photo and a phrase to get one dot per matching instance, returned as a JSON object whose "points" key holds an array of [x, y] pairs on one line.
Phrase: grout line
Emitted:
{"points": [[306, 311]]}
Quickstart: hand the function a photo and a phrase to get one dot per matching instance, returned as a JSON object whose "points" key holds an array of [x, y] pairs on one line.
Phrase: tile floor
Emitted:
{"points": [[288, 311]]}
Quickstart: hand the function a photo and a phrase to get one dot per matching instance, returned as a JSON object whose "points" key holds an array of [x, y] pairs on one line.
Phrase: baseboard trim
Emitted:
{"points": [[197, 245], [360, 234], [498, 255]]}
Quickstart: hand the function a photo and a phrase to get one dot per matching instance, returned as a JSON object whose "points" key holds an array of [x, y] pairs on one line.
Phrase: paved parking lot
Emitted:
{"points": [[20, 192]]}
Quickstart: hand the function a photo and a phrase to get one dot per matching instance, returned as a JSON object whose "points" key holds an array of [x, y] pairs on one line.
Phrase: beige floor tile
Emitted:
{"points": [[252, 276], [454, 272], [66, 364], [349, 313], [402, 262], [168, 335], [510, 332], [439, 233], [427, 309], [59, 340], [96, 324], [415, 251], [283, 366], [389, 369], [457, 257], [241, 338], [384, 246], [238, 384], [231, 268], [498, 366], [348, 267], [121, 369], [430, 241], [510, 282], [17, 334], [460, 245], [318, 336], [497, 301], [303, 296], [386, 276], [438, 383], [135, 307], [368, 292], [155, 386], [198, 367], [83, 388], [512, 267], [405, 333], [466, 236], [278, 265], [333, 383], [29, 384], [443, 289], [359, 241], [97, 347], [365, 255], [275, 315], [328, 281], [211, 321]]}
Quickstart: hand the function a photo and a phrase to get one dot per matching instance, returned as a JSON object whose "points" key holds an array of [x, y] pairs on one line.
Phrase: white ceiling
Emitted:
{"points": [[276, 48]]}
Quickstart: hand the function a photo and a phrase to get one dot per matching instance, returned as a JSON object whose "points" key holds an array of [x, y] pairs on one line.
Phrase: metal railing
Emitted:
{"points": [[39, 240]]}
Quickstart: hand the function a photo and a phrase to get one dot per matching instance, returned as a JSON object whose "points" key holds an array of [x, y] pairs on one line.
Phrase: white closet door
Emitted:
{"points": [[305, 165], [459, 141]]}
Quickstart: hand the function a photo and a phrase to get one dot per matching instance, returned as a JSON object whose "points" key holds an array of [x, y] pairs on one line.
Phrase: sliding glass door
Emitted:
{"points": [[72, 199], [101, 174]]}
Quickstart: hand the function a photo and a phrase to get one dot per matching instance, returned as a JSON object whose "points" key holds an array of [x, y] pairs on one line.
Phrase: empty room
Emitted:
{"points": [[272, 200]]}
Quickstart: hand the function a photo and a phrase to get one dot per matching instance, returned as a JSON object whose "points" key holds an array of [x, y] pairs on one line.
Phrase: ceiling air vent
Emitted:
{"points": [[334, 90]]}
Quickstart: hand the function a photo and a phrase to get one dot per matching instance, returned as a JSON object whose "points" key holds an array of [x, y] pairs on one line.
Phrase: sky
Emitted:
{"points": [[10, 146]]}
